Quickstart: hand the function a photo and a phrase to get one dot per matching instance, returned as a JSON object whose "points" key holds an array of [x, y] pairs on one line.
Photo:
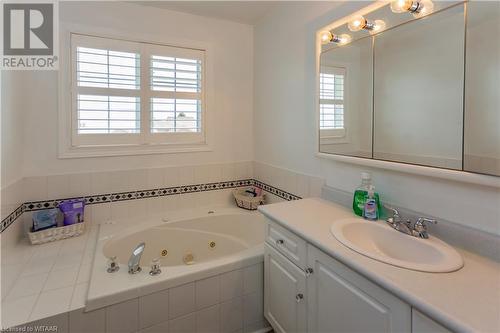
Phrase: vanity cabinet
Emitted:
{"points": [[285, 290], [306, 290]]}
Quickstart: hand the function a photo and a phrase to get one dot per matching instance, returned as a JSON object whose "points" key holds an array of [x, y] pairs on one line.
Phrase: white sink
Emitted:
{"points": [[379, 241]]}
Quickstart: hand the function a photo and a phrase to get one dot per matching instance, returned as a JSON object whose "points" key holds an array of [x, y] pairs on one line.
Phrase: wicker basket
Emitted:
{"points": [[246, 201], [53, 234]]}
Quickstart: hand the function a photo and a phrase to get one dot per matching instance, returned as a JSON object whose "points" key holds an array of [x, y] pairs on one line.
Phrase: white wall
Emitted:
{"points": [[12, 118], [12, 143], [11, 174], [232, 57], [284, 122], [284, 86]]}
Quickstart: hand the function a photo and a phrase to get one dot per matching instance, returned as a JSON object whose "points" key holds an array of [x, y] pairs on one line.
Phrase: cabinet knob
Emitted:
{"points": [[299, 297], [280, 242], [309, 271]]}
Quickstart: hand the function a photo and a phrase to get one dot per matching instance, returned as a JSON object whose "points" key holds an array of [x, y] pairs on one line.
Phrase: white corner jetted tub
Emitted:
{"points": [[192, 245]]}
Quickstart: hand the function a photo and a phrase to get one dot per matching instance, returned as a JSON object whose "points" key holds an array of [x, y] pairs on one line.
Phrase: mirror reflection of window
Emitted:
{"points": [[331, 104], [345, 99]]}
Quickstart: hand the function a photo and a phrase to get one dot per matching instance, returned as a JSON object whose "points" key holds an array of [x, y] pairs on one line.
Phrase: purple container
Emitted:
{"points": [[72, 210]]}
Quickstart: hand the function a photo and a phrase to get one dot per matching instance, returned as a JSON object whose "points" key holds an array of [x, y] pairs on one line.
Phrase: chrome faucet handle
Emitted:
{"points": [[112, 265], [395, 212], [424, 220], [155, 267], [395, 219], [420, 227]]}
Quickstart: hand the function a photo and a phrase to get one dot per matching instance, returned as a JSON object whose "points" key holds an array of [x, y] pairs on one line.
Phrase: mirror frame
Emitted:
{"points": [[429, 171]]}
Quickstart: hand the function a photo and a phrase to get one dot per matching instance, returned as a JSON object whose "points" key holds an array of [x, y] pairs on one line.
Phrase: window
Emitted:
{"points": [[331, 105], [135, 93]]}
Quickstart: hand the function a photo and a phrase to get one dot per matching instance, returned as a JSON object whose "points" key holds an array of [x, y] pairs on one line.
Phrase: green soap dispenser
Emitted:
{"points": [[361, 194]]}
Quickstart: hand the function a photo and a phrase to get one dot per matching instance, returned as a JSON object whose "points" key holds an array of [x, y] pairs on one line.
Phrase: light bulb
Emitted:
{"points": [[401, 6], [378, 26], [325, 36], [357, 23], [425, 8], [343, 39]]}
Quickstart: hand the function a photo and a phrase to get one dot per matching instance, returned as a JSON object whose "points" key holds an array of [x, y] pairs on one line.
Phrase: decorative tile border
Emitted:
{"points": [[12, 217], [144, 194], [276, 191], [140, 194]]}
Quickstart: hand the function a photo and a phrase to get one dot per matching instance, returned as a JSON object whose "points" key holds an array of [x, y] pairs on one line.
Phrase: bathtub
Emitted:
{"points": [[203, 239], [220, 244]]}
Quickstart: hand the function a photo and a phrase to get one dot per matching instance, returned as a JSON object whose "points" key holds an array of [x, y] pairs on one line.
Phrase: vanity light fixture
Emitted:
{"points": [[358, 23], [417, 8], [327, 37], [378, 25], [341, 39]]}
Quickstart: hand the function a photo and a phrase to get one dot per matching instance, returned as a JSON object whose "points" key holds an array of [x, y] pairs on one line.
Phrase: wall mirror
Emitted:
{"points": [[414, 86]]}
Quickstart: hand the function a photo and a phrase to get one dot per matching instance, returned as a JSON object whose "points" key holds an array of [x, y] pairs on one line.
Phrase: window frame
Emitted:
{"points": [[72, 145]]}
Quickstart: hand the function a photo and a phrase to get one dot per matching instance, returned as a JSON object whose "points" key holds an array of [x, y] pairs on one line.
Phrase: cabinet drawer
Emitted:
{"points": [[287, 243]]}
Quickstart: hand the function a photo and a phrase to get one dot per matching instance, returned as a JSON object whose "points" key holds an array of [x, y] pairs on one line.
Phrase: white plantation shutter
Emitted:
{"points": [[181, 80], [99, 114], [331, 106], [135, 93], [175, 115], [175, 74], [107, 68]]}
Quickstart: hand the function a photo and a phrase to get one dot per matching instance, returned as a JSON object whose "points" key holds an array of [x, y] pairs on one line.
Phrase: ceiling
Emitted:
{"points": [[247, 12]]}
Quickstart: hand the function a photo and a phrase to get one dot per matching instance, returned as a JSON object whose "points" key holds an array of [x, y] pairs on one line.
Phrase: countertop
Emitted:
{"points": [[54, 280], [467, 300]]}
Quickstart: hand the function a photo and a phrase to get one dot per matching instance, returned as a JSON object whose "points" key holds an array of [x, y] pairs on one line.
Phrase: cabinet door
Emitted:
{"points": [[284, 293], [424, 324], [342, 301]]}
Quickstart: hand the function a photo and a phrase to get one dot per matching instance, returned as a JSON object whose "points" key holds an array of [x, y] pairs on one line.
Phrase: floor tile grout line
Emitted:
{"points": [[51, 290], [33, 306]]}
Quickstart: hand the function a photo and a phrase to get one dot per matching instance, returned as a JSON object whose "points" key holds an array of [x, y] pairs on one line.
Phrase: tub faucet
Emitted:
{"points": [[135, 259]]}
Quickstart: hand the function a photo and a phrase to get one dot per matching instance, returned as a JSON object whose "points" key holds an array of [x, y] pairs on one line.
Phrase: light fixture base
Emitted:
{"points": [[369, 26], [415, 7]]}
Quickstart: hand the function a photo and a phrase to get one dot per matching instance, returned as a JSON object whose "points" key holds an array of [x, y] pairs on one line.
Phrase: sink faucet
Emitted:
{"points": [[135, 259], [418, 229]]}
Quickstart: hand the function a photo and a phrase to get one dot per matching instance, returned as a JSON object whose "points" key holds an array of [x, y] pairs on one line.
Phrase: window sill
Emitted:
{"points": [[128, 150], [329, 140]]}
